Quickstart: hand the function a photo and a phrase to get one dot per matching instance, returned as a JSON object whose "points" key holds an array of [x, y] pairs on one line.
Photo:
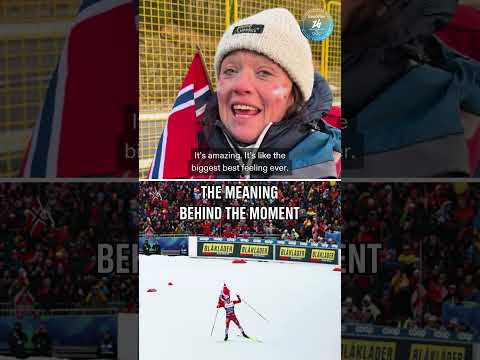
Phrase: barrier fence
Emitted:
{"points": [[178, 244], [170, 30], [83, 330], [263, 249]]}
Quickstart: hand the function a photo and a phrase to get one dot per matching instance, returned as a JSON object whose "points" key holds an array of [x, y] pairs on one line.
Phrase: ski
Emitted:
{"points": [[251, 338]]}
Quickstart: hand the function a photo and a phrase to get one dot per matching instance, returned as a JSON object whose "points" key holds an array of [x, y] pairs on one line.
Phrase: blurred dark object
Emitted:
{"points": [[156, 248], [463, 32], [17, 341], [183, 250], [147, 247], [42, 343], [380, 41], [106, 347], [390, 48]]}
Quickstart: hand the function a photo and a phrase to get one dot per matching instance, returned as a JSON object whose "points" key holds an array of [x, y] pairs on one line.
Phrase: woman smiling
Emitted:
{"points": [[269, 103]]}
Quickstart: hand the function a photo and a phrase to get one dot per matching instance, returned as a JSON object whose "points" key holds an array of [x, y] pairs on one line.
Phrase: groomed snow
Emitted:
{"points": [[301, 302]]}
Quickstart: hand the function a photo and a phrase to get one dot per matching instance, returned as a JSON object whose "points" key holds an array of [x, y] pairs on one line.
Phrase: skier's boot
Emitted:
{"points": [[226, 337], [245, 335]]}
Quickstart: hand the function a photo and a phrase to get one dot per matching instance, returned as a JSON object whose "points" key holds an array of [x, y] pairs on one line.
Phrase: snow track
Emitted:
{"points": [[301, 302]]}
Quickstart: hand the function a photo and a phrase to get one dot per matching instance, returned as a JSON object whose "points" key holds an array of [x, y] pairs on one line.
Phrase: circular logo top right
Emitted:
{"points": [[317, 25]]}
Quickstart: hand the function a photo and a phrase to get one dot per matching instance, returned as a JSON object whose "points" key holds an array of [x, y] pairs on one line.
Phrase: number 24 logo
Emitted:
{"points": [[316, 24]]}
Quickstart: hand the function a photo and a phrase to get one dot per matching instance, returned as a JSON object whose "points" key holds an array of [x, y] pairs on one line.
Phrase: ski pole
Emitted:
{"points": [[251, 307], [214, 321], [216, 314]]}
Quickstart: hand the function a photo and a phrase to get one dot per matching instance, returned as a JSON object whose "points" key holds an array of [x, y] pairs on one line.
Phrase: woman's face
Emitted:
{"points": [[252, 91]]}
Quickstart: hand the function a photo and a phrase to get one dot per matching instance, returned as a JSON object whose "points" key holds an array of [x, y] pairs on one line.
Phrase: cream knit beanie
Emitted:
{"points": [[276, 34]]}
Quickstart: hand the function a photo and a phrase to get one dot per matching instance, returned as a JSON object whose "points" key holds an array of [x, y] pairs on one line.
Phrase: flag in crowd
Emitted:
{"points": [[37, 219]]}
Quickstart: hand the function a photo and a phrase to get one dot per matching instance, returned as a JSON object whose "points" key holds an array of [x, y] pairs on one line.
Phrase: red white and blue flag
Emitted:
{"points": [[334, 118], [85, 121], [180, 136]]}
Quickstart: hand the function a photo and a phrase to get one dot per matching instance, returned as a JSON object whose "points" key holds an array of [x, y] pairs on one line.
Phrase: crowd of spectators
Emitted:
{"points": [[48, 252], [430, 235], [319, 202]]}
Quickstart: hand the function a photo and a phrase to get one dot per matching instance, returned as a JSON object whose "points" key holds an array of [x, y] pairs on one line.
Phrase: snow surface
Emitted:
{"points": [[300, 300]]}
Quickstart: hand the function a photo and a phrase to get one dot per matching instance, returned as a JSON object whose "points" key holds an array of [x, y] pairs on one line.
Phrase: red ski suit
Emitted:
{"points": [[229, 310]]}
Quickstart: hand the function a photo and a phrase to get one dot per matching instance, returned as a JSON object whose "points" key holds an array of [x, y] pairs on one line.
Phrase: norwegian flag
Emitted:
{"points": [[37, 219], [223, 295], [156, 196], [463, 31], [24, 301], [180, 136], [334, 118], [91, 103]]}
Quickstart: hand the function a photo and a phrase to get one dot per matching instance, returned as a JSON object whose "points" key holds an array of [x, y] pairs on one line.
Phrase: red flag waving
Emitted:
{"points": [[225, 291], [223, 295]]}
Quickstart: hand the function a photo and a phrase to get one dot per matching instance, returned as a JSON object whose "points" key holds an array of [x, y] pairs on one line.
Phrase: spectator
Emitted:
{"points": [[146, 247], [294, 234], [431, 322], [17, 341], [42, 343], [369, 311], [97, 296], [436, 293], [468, 286], [407, 256], [156, 248], [268, 229], [418, 301], [399, 282], [105, 347], [349, 310], [451, 296], [453, 325], [183, 250]]}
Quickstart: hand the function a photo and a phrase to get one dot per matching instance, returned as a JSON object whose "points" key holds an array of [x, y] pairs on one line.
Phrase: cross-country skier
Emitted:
{"points": [[225, 302]]}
